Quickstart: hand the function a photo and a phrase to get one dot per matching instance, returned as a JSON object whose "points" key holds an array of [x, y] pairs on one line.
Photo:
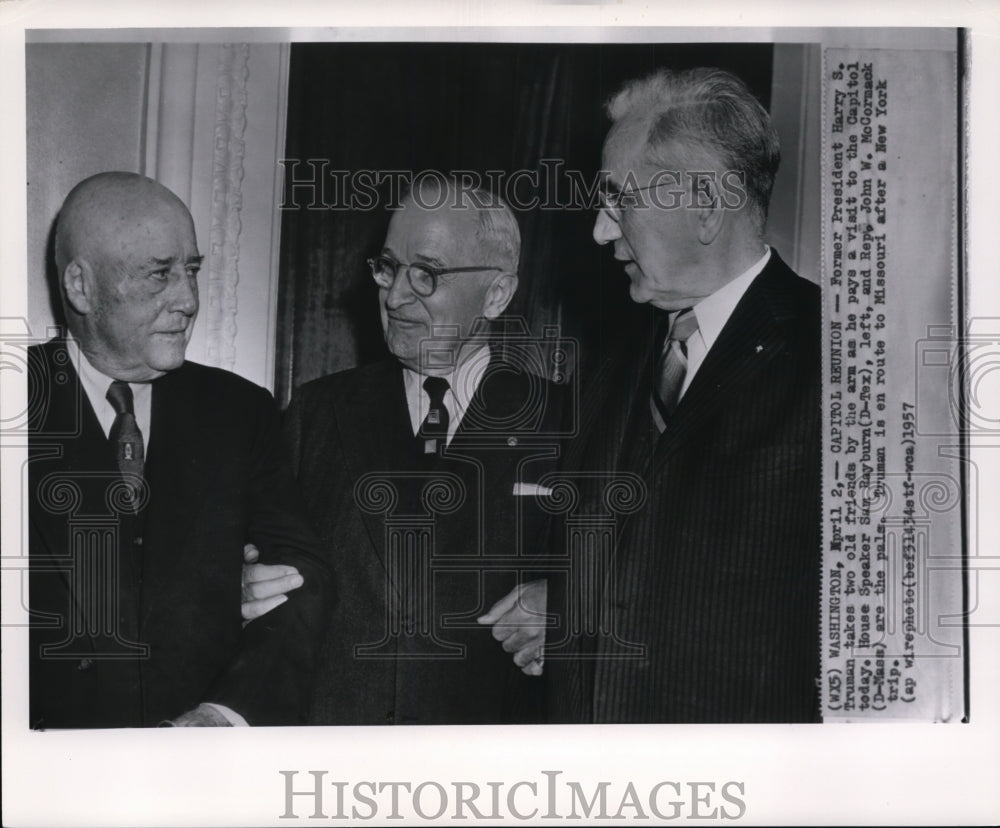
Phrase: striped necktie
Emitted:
{"points": [[672, 367]]}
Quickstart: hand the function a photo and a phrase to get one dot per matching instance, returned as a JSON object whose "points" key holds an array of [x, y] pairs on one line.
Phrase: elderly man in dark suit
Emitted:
{"points": [[421, 472], [147, 476], [707, 610]]}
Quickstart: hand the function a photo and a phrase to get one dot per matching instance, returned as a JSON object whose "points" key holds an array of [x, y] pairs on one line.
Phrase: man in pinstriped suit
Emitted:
{"points": [[709, 607]]}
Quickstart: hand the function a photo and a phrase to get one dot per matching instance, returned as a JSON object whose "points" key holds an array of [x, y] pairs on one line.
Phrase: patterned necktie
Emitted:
{"points": [[435, 424], [125, 435], [671, 367]]}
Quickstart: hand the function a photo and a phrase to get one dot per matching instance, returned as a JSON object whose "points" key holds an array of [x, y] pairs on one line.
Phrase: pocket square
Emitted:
{"points": [[528, 489]]}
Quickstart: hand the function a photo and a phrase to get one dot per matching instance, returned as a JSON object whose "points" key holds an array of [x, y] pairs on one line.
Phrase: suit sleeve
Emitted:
{"points": [[270, 681]]}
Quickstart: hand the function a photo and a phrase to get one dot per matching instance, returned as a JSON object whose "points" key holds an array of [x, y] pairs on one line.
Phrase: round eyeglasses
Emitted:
{"points": [[423, 278]]}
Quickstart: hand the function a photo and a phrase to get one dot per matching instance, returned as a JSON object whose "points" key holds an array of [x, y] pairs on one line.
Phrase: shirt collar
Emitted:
{"points": [[715, 309], [463, 381], [95, 385], [94, 382]]}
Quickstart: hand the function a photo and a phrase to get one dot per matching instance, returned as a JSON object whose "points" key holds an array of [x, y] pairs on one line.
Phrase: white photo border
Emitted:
{"points": [[876, 773]]}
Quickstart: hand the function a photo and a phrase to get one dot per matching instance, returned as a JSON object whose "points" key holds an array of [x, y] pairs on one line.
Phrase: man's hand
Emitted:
{"points": [[264, 586], [518, 621], [204, 715]]}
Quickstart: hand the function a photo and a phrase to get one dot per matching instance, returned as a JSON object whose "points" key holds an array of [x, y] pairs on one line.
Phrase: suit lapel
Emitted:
{"points": [[69, 442], [376, 435], [71, 416], [752, 337], [498, 400], [615, 400], [179, 462]]}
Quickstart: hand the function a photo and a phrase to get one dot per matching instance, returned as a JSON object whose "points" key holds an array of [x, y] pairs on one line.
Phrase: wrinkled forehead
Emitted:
{"points": [[160, 231], [111, 221], [626, 149], [445, 233]]}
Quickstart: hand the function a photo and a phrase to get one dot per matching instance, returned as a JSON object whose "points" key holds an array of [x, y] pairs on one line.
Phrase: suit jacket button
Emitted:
{"points": [[84, 664], [390, 716]]}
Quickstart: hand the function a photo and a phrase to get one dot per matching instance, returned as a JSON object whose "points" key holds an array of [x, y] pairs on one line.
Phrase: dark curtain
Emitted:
{"points": [[381, 107]]}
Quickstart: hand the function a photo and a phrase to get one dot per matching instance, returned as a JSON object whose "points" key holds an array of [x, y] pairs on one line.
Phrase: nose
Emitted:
{"points": [[185, 298], [400, 293], [606, 229]]}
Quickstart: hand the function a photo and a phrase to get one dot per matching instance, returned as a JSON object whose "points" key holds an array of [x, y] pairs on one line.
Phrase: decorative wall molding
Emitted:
{"points": [[794, 219], [213, 130], [220, 306]]}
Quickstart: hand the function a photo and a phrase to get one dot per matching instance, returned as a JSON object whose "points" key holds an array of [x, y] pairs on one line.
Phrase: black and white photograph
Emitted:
{"points": [[608, 402]]}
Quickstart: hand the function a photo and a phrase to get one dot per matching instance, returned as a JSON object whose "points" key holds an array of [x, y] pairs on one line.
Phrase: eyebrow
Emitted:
{"points": [[433, 261], [420, 258], [154, 261], [608, 185]]}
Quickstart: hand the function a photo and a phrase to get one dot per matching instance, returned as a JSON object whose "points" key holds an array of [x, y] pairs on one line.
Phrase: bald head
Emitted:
{"points": [[127, 258], [101, 208]]}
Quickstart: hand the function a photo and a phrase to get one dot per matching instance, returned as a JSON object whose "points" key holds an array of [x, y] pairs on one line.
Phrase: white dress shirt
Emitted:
{"points": [[462, 385], [713, 313]]}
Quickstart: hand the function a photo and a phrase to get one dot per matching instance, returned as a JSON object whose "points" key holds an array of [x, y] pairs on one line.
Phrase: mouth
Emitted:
{"points": [[402, 320]]}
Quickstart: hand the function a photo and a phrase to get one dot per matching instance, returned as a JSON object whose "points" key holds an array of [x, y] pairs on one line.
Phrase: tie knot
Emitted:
{"points": [[684, 326], [120, 396], [436, 388]]}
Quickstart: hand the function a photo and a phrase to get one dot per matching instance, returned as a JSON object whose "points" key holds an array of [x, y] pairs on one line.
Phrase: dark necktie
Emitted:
{"points": [[435, 425], [125, 436], [672, 367]]}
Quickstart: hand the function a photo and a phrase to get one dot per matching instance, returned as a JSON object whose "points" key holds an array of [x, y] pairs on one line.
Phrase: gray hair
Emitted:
{"points": [[497, 234], [708, 117]]}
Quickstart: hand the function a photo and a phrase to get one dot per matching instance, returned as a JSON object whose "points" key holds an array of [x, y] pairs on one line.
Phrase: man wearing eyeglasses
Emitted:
{"points": [[421, 472], [710, 608]]}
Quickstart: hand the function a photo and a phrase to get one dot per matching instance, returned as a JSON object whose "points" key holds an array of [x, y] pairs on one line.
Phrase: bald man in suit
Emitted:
{"points": [[148, 475]]}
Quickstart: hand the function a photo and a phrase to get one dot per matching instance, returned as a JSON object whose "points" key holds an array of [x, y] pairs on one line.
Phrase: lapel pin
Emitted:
{"points": [[759, 348]]}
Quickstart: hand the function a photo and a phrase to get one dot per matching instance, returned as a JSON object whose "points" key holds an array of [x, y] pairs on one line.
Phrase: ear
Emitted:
{"points": [[499, 294], [710, 209], [78, 286]]}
